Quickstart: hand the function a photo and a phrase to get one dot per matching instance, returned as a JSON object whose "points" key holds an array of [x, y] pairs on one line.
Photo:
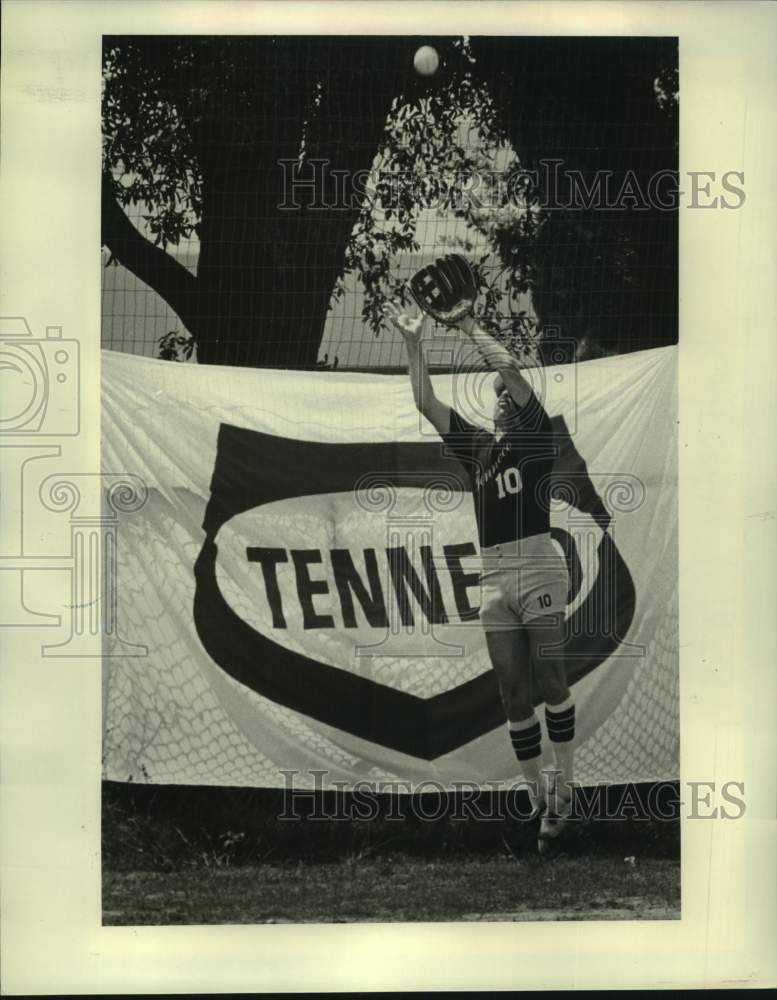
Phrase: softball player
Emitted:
{"points": [[524, 580]]}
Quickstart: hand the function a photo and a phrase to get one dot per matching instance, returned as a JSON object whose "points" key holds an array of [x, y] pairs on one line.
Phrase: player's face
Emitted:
{"points": [[504, 409]]}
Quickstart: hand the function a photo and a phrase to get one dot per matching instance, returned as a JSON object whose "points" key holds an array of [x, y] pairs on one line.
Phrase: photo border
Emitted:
{"points": [[50, 901]]}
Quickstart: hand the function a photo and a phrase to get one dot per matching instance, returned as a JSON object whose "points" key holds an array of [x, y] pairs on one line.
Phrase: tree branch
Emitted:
{"points": [[169, 279]]}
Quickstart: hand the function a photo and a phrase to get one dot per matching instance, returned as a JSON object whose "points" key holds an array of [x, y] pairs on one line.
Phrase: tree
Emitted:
{"points": [[202, 132], [208, 134], [570, 215], [606, 106]]}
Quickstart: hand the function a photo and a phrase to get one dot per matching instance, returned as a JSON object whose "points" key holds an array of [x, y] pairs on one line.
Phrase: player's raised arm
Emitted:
{"points": [[411, 328], [447, 291], [499, 359]]}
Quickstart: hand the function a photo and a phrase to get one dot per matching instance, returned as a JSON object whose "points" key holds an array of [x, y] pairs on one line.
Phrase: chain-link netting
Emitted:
{"points": [[264, 197]]}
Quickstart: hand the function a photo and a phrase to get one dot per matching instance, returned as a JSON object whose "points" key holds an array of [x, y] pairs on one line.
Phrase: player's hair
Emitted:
{"points": [[499, 385]]}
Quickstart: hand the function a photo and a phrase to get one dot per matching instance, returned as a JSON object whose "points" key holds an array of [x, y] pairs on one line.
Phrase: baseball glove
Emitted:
{"points": [[446, 289]]}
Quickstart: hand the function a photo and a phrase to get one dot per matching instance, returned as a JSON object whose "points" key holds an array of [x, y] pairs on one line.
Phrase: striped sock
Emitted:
{"points": [[526, 737], [560, 720]]}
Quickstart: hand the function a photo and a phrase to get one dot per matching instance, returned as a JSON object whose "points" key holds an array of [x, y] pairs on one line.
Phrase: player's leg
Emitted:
{"points": [[546, 642], [511, 659], [546, 637], [540, 600]]}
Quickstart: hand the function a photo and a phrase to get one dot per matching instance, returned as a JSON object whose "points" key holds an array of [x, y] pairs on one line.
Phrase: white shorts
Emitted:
{"points": [[521, 581]]}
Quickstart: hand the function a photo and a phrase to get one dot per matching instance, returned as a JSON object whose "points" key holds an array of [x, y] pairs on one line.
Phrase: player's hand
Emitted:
{"points": [[411, 327]]}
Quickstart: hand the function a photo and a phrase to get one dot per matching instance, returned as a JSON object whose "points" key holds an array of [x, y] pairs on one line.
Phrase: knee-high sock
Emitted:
{"points": [[560, 721], [526, 738]]}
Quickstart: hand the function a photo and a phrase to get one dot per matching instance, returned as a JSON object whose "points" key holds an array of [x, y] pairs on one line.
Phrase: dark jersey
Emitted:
{"points": [[508, 476]]}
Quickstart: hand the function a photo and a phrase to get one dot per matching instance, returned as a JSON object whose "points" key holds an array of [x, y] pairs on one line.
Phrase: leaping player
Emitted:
{"points": [[524, 580]]}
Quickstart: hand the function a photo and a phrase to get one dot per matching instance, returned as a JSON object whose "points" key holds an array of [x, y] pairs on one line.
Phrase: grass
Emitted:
{"points": [[211, 856], [401, 888]]}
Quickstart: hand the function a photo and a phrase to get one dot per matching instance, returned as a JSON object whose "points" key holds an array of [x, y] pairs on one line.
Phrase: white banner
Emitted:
{"points": [[298, 593]]}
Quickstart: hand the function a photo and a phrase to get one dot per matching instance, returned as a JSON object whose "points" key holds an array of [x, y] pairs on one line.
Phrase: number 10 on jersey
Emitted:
{"points": [[508, 481]]}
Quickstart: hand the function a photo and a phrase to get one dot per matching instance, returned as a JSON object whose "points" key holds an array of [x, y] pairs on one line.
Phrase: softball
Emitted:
{"points": [[426, 60]]}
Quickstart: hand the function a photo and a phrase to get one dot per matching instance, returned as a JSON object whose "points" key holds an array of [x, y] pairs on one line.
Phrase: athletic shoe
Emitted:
{"points": [[554, 819], [516, 836], [538, 807]]}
